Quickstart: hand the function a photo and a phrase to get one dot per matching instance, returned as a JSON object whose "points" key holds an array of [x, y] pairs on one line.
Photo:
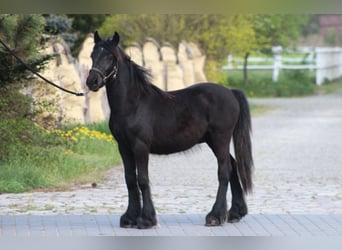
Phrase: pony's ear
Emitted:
{"points": [[116, 38], [97, 38]]}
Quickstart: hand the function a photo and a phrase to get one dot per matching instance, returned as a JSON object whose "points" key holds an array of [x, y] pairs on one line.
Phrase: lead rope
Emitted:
{"points": [[39, 75]]}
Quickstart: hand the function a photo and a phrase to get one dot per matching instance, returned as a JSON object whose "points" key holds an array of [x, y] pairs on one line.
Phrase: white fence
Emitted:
{"points": [[326, 62]]}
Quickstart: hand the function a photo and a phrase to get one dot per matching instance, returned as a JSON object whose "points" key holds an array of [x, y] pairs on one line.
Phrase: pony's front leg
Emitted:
{"points": [[147, 219], [129, 218]]}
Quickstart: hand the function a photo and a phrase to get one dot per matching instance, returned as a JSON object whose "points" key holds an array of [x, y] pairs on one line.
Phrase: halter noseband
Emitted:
{"points": [[113, 73]]}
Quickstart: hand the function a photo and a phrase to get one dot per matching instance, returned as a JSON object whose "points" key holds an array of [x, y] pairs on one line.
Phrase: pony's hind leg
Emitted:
{"points": [[239, 206], [220, 147]]}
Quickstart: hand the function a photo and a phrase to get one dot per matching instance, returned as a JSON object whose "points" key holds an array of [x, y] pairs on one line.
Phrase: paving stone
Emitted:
{"points": [[99, 225]]}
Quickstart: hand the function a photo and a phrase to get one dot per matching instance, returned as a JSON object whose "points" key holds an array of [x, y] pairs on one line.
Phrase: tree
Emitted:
{"points": [[243, 39], [281, 30], [23, 34], [82, 25], [261, 32], [57, 24], [135, 28]]}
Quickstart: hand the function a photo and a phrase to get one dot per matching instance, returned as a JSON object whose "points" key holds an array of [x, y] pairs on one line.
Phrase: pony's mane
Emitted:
{"points": [[139, 75], [142, 77]]}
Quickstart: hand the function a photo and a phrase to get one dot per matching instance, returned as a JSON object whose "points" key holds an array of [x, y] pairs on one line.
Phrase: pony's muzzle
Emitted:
{"points": [[94, 82]]}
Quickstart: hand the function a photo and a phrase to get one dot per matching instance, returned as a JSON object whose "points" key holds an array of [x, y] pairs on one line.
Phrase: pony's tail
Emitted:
{"points": [[242, 142]]}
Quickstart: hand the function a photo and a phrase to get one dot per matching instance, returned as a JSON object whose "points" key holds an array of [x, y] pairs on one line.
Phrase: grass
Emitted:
{"points": [[329, 87], [257, 110], [34, 158]]}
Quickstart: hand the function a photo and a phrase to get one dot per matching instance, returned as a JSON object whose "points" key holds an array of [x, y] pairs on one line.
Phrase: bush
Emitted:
{"points": [[14, 119]]}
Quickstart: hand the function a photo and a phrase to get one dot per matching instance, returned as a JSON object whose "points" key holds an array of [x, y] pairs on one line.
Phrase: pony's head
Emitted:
{"points": [[104, 61]]}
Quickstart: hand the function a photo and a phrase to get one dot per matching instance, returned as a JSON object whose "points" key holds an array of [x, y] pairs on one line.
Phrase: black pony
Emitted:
{"points": [[145, 119]]}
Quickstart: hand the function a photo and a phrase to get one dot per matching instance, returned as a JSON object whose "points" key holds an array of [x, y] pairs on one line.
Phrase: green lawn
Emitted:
{"points": [[57, 158]]}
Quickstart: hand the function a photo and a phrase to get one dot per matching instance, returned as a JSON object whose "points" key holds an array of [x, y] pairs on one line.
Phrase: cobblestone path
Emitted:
{"points": [[297, 149]]}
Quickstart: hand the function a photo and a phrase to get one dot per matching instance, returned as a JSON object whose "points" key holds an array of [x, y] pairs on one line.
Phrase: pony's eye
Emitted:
{"points": [[109, 56]]}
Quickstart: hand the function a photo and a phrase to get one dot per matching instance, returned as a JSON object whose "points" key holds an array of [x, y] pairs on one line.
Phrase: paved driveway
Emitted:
{"points": [[298, 169], [298, 156]]}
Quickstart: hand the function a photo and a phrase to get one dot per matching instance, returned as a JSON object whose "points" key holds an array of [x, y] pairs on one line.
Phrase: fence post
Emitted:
{"points": [[277, 50], [320, 63]]}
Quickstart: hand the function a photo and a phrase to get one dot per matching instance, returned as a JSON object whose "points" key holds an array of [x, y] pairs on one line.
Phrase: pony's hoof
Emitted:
{"points": [[236, 213], [233, 219], [146, 223], [212, 220], [127, 222]]}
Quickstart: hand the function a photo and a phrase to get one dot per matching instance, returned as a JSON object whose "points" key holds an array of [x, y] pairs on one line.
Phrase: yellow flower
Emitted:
{"points": [[68, 152], [82, 133]]}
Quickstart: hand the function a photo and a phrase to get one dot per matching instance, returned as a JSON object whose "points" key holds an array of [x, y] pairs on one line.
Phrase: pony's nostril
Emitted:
{"points": [[94, 86]]}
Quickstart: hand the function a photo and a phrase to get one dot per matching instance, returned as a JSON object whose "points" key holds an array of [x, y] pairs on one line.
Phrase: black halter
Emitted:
{"points": [[114, 72]]}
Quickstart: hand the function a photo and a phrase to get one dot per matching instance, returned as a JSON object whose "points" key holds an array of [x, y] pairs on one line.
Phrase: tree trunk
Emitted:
{"points": [[245, 73]]}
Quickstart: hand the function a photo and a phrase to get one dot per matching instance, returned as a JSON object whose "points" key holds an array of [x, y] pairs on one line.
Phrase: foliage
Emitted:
{"points": [[211, 32], [31, 157], [280, 29], [332, 37], [242, 36], [13, 117], [312, 25], [291, 83], [217, 35], [207, 30], [330, 87], [86, 23], [73, 28], [57, 24], [82, 25], [23, 34], [60, 26]]}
